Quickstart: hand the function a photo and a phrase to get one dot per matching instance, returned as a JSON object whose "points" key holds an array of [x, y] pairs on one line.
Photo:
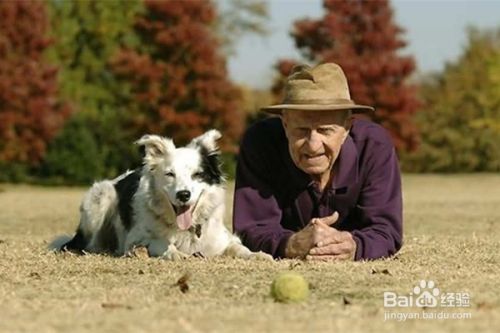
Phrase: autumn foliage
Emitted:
{"points": [[361, 37], [179, 80], [150, 66], [30, 114], [460, 118]]}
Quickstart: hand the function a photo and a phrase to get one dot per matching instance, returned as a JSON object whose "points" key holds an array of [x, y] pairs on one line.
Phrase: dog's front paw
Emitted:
{"points": [[260, 256], [137, 251], [173, 254]]}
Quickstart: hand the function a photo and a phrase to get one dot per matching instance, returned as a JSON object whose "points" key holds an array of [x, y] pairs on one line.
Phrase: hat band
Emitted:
{"points": [[333, 101]]}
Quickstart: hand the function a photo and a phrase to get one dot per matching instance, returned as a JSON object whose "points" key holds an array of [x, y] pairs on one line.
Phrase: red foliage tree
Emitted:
{"points": [[29, 112], [178, 79], [361, 37], [284, 68]]}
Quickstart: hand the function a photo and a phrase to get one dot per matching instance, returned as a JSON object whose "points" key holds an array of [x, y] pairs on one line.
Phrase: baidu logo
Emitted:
{"points": [[427, 297], [425, 294]]}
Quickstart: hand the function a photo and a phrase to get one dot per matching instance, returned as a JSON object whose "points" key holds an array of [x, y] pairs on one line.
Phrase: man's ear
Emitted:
{"points": [[284, 121], [347, 125], [348, 121], [344, 137]]}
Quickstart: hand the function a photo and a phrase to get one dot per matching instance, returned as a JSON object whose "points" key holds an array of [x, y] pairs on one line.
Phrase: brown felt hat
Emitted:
{"points": [[323, 87]]}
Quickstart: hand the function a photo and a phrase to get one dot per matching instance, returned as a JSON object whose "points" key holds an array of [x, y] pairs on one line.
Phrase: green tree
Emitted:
{"points": [[88, 34], [460, 119]]}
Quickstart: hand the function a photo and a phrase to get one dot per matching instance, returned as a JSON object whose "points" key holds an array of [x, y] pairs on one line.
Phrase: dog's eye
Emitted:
{"points": [[198, 175], [170, 174]]}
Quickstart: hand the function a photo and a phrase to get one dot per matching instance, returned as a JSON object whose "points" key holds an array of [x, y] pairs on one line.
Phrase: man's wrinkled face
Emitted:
{"points": [[315, 138]]}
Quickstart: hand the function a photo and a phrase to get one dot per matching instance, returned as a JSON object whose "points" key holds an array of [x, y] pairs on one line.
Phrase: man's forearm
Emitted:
{"points": [[264, 239]]}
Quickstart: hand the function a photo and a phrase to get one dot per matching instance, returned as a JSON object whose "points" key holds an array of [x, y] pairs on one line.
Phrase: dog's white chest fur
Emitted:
{"points": [[207, 235]]}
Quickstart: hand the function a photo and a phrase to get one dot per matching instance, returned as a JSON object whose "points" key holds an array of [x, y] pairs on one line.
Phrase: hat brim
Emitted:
{"points": [[277, 109]]}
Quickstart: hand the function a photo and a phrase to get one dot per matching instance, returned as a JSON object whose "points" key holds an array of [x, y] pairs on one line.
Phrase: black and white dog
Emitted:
{"points": [[173, 206]]}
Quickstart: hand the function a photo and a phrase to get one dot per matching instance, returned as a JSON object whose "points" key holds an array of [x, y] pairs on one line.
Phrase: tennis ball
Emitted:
{"points": [[289, 287]]}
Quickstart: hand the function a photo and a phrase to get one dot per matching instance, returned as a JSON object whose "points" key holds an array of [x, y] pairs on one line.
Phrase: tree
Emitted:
{"points": [[30, 112], [88, 34], [237, 18], [361, 37], [283, 68], [460, 118], [178, 79]]}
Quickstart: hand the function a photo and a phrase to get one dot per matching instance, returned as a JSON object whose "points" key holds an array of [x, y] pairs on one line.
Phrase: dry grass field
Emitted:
{"points": [[452, 236]]}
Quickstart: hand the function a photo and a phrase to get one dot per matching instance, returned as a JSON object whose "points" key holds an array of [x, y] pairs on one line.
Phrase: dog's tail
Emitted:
{"points": [[59, 243], [99, 203], [76, 243]]}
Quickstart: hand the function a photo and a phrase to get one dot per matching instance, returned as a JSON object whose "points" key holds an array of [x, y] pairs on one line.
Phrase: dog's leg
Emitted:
{"points": [[174, 254], [157, 247], [237, 250]]}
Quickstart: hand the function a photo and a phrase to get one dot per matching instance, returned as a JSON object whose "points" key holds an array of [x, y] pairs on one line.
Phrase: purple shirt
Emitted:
{"points": [[274, 199]]}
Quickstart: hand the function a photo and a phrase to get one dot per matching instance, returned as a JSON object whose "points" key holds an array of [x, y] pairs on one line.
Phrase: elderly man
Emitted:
{"points": [[315, 184]]}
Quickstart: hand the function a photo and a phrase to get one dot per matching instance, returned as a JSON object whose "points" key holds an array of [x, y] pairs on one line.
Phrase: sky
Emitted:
{"points": [[435, 32]]}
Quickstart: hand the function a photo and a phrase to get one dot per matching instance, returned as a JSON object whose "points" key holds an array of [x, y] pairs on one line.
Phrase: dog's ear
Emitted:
{"points": [[206, 144], [207, 141], [155, 146]]}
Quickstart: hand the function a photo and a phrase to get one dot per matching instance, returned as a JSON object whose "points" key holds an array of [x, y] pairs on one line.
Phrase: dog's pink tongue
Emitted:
{"points": [[183, 219]]}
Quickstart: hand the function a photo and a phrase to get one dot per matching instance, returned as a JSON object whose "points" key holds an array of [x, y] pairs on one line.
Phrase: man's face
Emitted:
{"points": [[315, 138]]}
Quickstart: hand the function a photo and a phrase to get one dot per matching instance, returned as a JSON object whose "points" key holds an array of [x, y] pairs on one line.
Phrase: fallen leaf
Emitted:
{"points": [[384, 271], [182, 283], [484, 306], [116, 306]]}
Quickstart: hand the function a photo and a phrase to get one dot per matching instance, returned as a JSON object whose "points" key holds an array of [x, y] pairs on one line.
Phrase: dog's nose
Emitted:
{"points": [[183, 196]]}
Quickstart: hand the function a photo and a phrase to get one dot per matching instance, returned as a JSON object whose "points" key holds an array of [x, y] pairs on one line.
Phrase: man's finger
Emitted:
{"points": [[328, 220], [343, 256], [331, 249], [333, 238]]}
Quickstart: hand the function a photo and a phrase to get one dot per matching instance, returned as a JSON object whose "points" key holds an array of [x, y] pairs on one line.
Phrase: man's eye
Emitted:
{"points": [[326, 131], [300, 131], [170, 174]]}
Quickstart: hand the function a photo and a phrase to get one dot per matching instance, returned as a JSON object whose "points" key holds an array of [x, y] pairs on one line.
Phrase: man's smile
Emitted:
{"points": [[314, 158]]}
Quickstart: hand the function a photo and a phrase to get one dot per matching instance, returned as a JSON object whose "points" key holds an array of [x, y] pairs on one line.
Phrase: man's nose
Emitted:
{"points": [[314, 141]]}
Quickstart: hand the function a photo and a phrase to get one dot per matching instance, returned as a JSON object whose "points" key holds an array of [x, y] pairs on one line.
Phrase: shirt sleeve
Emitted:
{"points": [[380, 206], [256, 212]]}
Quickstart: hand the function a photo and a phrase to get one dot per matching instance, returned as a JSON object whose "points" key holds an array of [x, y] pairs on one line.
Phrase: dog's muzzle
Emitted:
{"points": [[183, 196]]}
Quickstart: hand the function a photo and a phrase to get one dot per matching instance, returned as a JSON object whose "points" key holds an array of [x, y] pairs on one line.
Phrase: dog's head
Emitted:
{"points": [[182, 174]]}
